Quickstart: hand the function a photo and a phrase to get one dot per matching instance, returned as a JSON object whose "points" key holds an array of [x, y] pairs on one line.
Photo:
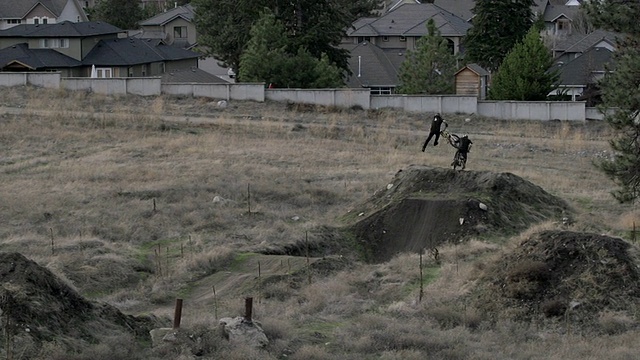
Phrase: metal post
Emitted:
{"points": [[178, 314], [248, 308]]}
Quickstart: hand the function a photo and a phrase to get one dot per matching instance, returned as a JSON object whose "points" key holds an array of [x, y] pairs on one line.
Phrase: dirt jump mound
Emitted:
{"points": [[37, 307], [574, 277], [423, 207]]}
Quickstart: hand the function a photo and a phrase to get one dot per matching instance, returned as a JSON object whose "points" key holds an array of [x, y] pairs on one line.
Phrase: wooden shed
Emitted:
{"points": [[472, 80]]}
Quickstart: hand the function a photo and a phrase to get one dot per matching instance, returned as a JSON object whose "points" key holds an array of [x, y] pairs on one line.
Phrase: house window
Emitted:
{"points": [[363, 39], [403, 38], [381, 90], [180, 32], [385, 38], [144, 70], [563, 26], [53, 43], [104, 72], [64, 43], [36, 21], [130, 71], [14, 21], [45, 20]]}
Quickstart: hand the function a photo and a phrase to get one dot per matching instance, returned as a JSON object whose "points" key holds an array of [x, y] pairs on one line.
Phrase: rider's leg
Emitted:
{"points": [[427, 141], [437, 137]]}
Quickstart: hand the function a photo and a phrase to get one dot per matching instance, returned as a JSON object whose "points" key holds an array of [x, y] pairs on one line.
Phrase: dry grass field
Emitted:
{"points": [[137, 201]]}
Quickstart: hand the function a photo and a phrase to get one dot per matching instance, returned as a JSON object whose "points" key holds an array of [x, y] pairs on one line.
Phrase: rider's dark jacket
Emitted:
{"points": [[464, 144]]}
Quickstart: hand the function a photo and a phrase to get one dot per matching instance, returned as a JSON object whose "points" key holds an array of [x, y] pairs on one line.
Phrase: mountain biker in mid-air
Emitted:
{"points": [[463, 147]]}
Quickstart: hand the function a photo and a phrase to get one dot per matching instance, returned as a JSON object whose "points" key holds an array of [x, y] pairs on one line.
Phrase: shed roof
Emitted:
{"points": [[475, 68]]}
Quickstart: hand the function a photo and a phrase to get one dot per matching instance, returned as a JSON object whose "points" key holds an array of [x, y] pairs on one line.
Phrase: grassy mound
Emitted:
{"points": [[573, 277], [423, 207], [38, 308]]}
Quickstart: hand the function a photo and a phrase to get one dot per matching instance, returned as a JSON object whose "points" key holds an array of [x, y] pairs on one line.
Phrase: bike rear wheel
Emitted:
{"points": [[459, 161]]}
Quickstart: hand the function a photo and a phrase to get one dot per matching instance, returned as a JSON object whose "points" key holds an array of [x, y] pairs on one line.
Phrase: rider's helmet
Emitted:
{"points": [[465, 136]]}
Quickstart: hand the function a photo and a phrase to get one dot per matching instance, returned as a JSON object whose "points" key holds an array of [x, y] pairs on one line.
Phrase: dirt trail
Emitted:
{"points": [[242, 278]]}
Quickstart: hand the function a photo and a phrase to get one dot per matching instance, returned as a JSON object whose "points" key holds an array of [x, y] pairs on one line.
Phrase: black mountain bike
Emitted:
{"points": [[460, 158]]}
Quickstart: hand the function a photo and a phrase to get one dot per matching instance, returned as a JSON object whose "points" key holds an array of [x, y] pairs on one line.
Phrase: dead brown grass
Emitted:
{"points": [[128, 177]]}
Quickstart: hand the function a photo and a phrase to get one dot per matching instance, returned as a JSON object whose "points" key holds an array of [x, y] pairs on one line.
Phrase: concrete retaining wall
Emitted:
{"points": [[144, 86], [345, 98], [533, 110], [327, 97], [244, 91], [444, 104], [42, 79], [121, 86]]}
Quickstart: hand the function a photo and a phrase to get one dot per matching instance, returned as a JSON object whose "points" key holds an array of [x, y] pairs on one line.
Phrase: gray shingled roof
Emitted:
{"points": [[186, 12], [553, 12], [410, 20], [377, 67], [132, 51], [579, 70], [460, 8], [578, 43], [17, 9], [193, 75], [37, 59], [476, 69], [65, 29]]}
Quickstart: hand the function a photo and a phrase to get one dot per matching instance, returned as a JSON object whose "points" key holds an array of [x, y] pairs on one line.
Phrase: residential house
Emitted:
{"points": [[17, 12], [174, 26], [581, 61], [579, 77], [576, 44], [378, 45], [560, 19], [374, 68], [403, 26], [75, 49]]}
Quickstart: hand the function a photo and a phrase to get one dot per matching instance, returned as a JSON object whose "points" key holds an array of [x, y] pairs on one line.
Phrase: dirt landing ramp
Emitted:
{"points": [[38, 307], [572, 277], [424, 206]]}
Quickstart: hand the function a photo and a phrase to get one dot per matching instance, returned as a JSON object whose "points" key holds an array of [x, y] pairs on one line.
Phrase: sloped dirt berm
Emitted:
{"points": [[578, 279], [37, 307], [424, 206]]}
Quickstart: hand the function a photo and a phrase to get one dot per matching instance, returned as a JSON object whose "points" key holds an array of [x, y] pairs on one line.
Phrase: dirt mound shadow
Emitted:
{"points": [[423, 207], [562, 274], [38, 307]]}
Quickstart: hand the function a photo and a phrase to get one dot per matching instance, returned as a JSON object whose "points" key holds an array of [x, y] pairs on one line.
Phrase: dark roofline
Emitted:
{"points": [[66, 29]]}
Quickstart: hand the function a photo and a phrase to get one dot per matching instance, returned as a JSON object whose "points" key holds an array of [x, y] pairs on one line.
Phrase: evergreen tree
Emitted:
{"points": [[526, 73], [268, 60], [124, 14], [497, 26], [620, 91], [430, 68], [318, 26], [265, 56]]}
